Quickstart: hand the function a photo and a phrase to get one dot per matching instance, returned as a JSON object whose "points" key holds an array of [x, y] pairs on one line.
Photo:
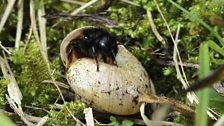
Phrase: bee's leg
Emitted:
{"points": [[95, 56], [98, 57], [97, 64]]}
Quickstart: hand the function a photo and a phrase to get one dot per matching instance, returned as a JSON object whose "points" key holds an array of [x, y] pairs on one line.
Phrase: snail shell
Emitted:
{"points": [[112, 89]]}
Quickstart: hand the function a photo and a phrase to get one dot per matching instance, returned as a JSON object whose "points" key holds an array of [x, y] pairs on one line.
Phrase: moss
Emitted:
{"points": [[3, 87], [63, 117], [183, 120], [30, 70], [143, 56]]}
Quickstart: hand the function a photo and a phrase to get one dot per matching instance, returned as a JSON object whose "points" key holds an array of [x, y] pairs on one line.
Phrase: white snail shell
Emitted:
{"points": [[112, 89]]}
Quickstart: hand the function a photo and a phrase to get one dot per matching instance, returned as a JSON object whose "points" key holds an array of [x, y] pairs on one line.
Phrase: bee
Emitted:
{"points": [[93, 42]]}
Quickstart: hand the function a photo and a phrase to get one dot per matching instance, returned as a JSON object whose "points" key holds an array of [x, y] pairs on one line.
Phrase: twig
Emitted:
{"points": [[130, 2], [32, 118], [175, 53], [103, 20], [42, 28], [42, 121], [174, 104], [12, 88], [36, 108], [28, 39], [74, 2], [152, 122], [7, 51], [19, 23], [58, 83], [18, 110], [98, 19], [35, 31], [171, 63], [154, 29], [6, 13], [101, 124], [83, 7], [33, 23]]}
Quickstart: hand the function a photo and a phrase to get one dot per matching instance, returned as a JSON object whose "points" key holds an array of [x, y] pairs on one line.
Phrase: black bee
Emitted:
{"points": [[96, 43]]}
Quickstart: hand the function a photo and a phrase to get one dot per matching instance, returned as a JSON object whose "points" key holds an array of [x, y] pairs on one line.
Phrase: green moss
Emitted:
{"points": [[3, 87], [143, 56], [30, 70], [115, 122], [63, 117], [183, 120]]}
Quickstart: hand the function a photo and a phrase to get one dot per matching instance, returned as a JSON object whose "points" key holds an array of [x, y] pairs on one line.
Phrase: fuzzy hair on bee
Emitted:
{"points": [[95, 43]]}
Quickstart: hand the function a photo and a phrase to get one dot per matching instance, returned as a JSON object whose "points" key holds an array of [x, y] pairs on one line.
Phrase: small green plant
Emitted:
{"points": [[115, 122], [63, 117], [30, 71], [3, 87]]}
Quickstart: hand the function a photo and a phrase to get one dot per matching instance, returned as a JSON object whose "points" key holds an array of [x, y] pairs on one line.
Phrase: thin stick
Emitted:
{"points": [[83, 7], [153, 122], [28, 39], [184, 78], [42, 28], [154, 29], [74, 2], [19, 23], [58, 83], [174, 104], [7, 51], [6, 13], [130, 2], [18, 110]]}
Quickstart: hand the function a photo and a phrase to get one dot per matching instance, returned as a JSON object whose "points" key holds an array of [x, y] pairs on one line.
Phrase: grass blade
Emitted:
{"points": [[215, 47], [5, 120], [199, 21], [203, 95]]}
